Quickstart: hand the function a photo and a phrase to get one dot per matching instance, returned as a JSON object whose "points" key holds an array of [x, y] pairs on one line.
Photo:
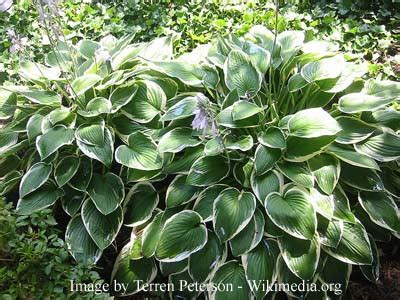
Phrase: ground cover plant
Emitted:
{"points": [[262, 157]]}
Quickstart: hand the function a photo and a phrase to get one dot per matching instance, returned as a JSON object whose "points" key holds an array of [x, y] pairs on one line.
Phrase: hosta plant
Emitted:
{"points": [[267, 158]]}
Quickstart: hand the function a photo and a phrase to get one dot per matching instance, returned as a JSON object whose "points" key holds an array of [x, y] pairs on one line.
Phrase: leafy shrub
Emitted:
{"points": [[280, 160], [35, 262]]}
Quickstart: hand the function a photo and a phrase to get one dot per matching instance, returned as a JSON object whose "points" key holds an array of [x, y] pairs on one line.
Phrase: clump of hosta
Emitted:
{"points": [[279, 161]]}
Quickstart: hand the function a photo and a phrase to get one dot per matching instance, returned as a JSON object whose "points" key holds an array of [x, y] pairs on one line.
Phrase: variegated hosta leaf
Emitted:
{"points": [[232, 211], [207, 170], [66, 169], [183, 109], [240, 74], [179, 192], [231, 273], [336, 272], [107, 192], [359, 178], [202, 263], [353, 130], [128, 271], [342, 209], [301, 256], [297, 172], [178, 139], [312, 122], [265, 159], [331, 233], [81, 84], [259, 57], [205, 201], [308, 149], [140, 153], [33, 71], [96, 143], [139, 204], [374, 95], [36, 176], [323, 204], [183, 234], [7, 140], [326, 170], [54, 139], [298, 219], [381, 209], [323, 69], [41, 198], [96, 107], [371, 272], [260, 265], [382, 147], [250, 236], [148, 101], [35, 95], [79, 242], [102, 229], [122, 96], [354, 247], [273, 137], [83, 175], [243, 109], [350, 156], [265, 184]]}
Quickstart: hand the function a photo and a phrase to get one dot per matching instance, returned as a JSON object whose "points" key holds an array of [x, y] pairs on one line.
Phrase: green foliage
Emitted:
{"points": [[34, 260], [271, 142]]}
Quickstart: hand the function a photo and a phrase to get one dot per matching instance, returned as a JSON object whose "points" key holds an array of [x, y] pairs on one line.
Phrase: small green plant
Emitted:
{"points": [[35, 263]]}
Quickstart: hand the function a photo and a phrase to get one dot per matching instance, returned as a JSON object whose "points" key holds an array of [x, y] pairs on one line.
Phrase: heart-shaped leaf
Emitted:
{"points": [[141, 153], [36, 176], [265, 158], [326, 170], [178, 139], [382, 147], [273, 137], [54, 139], [232, 211], [107, 192], [298, 172], [205, 201], [66, 169], [183, 234], [299, 219], [263, 185], [207, 170], [179, 192]]}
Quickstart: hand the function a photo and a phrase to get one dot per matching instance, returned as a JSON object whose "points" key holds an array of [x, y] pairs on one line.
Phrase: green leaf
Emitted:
{"points": [[382, 147], [363, 179], [122, 96], [354, 247], [336, 272], [184, 108], [372, 272], [106, 191], [179, 193], [205, 201], [35, 96], [72, 200], [141, 153], [243, 109], [209, 256], [342, 206], [381, 209], [208, 170], [178, 139], [133, 273], [53, 140], [297, 172], [326, 170], [66, 169], [323, 69], [102, 152], [79, 242], [232, 211], [265, 184], [87, 48], [273, 137], [323, 204], [250, 236], [34, 127], [36, 176], [374, 95], [225, 119], [240, 74], [301, 256], [139, 204], [313, 122], [102, 229], [81, 84], [230, 273], [265, 159], [41, 198], [83, 175], [299, 219], [7, 140], [353, 130], [302, 149], [350, 156], [91, 134], [331, 233], [96, 107], [183, 234], [148, 101], [296, 82], [259, 265], [168, 268]]}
